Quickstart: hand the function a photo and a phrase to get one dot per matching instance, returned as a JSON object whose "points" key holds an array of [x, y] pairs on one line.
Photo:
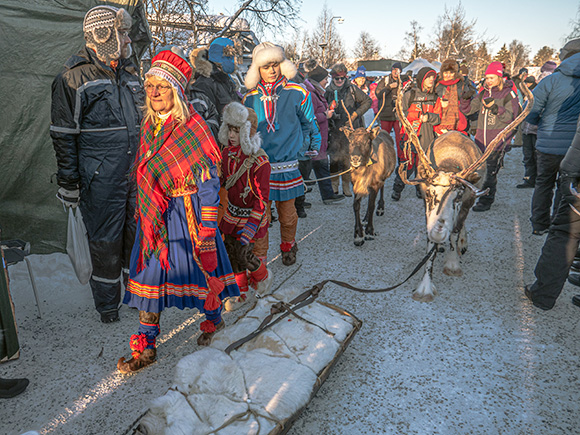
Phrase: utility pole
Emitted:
{"points": [[328, 38]]}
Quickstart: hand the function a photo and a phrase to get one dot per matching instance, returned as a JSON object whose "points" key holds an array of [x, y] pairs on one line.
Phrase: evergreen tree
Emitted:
{"points": [[543, 55], [503, 55]]}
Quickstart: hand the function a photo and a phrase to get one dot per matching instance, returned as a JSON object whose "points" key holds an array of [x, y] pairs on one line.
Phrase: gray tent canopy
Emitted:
{"points": [[36, 39]]}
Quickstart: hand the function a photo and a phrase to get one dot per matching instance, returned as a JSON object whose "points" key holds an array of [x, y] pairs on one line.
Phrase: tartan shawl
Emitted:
{"points": [[178, 158]]}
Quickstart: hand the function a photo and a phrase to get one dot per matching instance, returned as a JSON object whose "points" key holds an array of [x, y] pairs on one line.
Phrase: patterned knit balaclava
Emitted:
{"points": [[102, 25]]}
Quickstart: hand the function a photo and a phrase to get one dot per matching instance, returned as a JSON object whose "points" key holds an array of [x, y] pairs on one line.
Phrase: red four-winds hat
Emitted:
{"points": [[171, 67]]}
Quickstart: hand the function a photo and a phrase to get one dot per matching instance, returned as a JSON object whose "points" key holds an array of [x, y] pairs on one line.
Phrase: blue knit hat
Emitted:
{"points": [[220, 54], [360, 72]]}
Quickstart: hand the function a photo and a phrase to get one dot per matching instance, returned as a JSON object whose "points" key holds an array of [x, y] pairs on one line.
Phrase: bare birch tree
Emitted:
{"points": [[175, 22], [413, 48], [295, 46], [518, 56], [575, 25], [324, 43], [455, 36]]}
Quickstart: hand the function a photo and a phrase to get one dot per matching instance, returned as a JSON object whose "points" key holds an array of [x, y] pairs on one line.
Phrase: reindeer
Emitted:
{"points": [[372, 161], [451, 179]]}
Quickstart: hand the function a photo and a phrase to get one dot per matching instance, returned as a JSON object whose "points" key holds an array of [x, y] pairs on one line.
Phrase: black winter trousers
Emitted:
{"points": [[111, 227], [493, 164], [321, 170], [530, 164], [558, 251], [548, 169]]}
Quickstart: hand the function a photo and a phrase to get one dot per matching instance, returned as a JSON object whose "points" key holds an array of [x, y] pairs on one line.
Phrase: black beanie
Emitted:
{"points": [[396, 65], [318, 74]]}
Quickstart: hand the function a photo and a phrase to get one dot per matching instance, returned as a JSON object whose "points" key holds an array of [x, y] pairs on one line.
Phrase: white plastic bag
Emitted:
{"points": [[368, 117], [77, 246]]}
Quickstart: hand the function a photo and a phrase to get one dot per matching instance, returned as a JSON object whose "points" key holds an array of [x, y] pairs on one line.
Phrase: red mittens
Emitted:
{"points": [[207, 249]]}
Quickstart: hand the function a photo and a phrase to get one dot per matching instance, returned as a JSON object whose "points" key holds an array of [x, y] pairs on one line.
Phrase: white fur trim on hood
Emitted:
{"points": [[236, 114], [263, 54]]}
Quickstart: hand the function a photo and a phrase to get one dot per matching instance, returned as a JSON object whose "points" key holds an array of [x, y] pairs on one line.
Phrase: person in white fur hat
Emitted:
{"points": [[285, 116], [246, 176]]}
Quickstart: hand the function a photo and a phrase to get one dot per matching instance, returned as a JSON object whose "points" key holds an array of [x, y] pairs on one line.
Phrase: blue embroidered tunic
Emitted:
{"points": [[285, 117]]}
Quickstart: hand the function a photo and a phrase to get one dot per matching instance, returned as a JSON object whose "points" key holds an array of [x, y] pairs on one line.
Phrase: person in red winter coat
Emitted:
{"points": [[246, 176], [422, 107]]}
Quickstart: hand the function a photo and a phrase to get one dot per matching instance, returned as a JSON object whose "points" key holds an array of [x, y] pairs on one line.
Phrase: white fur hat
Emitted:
{"points": [[263, 54], [238, 115]]}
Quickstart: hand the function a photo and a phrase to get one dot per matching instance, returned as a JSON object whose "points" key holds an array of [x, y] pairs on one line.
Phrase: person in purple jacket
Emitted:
{"points": [[315, 83], [498, 106]]}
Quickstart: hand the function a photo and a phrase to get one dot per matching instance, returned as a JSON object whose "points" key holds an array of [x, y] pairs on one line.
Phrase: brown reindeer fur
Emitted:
{"points": [[453, 152], [372, 160], [382, 154]]}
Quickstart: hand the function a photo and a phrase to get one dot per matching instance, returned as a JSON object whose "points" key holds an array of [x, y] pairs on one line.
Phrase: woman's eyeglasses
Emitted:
{"points": [[162, 89], [339, 79]]}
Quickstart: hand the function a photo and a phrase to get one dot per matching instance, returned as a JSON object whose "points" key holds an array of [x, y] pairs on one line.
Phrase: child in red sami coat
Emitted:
{"points": [[246, 176]]}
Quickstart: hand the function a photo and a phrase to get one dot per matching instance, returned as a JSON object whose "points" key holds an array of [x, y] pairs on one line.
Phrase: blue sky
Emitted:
{"points": [[536, 23]]}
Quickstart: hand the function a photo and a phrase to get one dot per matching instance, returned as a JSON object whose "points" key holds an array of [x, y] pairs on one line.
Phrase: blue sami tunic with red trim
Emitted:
{"points": [[283, 137]]}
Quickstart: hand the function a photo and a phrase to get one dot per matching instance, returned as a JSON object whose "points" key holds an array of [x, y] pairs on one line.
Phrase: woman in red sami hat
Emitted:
{"points": [[178, 259]]}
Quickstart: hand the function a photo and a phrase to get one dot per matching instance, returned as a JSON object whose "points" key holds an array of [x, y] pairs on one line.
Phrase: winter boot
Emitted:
{"points": [[289, 250], [143, 351], [12, 387], [209, 328], [346, 180], [233, 303], [482, 206], [140, 355], [261, 279]]}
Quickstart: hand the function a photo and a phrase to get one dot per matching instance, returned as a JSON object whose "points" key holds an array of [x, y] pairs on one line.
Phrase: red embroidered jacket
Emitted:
{"points": [[249, 196]]}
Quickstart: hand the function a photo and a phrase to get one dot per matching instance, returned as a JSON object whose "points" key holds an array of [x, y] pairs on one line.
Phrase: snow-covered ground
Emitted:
{"points": [[478, 360]]}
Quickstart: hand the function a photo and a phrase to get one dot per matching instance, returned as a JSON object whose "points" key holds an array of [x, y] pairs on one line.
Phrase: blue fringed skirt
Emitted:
{"points": [[184, 285]]}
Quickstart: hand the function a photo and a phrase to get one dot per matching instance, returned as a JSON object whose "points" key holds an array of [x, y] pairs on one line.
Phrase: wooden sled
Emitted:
{"points": [[263, 385]]}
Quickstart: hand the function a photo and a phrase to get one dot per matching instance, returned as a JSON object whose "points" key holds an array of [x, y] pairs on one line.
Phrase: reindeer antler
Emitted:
{"points": [[377, 115], [502, 134], [403, 174], [423, 160], [347, 114]]}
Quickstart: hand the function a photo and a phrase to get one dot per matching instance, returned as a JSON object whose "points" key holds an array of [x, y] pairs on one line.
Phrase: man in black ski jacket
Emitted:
{"points": [[95, 133], [563, 236]]}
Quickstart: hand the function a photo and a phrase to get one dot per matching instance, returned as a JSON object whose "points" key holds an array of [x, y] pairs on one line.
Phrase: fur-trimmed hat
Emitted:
{"points": [[310, 65], [238, 115], [198, 57], [101, 27], [449, 65], [263, 54]]}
